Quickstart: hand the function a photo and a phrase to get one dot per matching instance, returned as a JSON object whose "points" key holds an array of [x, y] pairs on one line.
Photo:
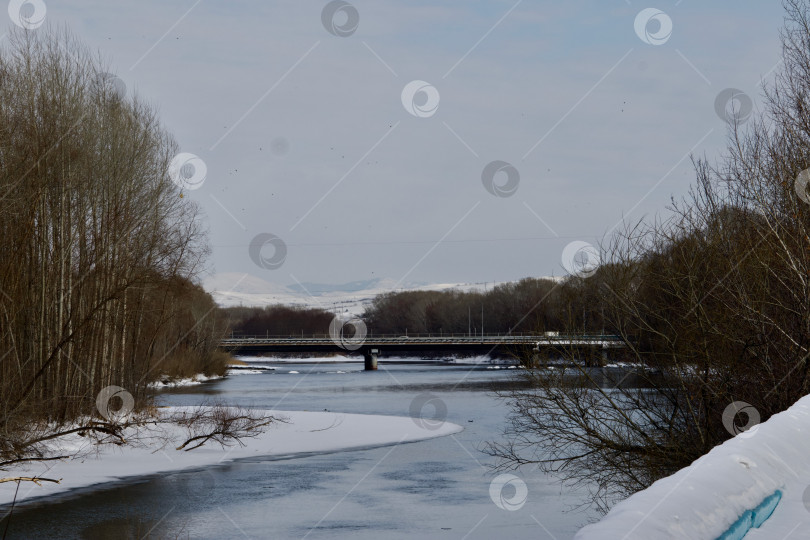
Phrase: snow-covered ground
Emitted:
{"points": [[305, 432], [703, 500], [168, 382], [242, 370]]}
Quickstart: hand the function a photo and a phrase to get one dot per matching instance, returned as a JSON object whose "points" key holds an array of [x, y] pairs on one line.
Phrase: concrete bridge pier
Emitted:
{"points": [[370, 357]]}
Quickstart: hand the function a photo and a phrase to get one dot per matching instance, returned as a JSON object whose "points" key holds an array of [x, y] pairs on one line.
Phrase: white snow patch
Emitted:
{"points": [[166, 382], [480, 359], [703, 500], [235, 369], [246, 371]]}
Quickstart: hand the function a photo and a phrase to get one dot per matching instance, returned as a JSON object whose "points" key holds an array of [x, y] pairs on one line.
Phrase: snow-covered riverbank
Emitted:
{"points": [[718, 495], [304, 432], [168, 382]]}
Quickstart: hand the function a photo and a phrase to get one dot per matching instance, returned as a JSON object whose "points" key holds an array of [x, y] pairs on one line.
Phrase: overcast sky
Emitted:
{"points": [[300, 119]]}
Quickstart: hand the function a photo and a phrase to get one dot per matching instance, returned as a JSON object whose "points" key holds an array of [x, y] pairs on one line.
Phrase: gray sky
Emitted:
{"points": [[305, 136]]}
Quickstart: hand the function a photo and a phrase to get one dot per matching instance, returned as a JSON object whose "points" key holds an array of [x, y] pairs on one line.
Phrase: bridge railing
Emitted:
{"points": [[235, 335], [402, 338]]}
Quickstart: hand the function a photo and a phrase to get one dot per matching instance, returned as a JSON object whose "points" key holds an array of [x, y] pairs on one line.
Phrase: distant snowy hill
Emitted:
{"points": [[242, 283], [237, 289], [321, 288]]}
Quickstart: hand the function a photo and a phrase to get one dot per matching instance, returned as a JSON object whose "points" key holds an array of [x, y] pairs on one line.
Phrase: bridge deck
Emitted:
{"points": [[413, 343]]}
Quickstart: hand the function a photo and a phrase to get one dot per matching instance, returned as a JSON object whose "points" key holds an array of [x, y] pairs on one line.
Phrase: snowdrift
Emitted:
{"points": [[754, 485]]}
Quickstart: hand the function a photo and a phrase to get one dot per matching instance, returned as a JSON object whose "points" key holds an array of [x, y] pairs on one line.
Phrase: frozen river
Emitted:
{"points": [[439, 488]]}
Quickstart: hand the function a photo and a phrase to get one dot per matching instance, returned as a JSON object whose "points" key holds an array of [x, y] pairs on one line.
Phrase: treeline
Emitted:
{"points": [[277, 320], [525, 306], [99, 247], [529, 305], [713, 305]]}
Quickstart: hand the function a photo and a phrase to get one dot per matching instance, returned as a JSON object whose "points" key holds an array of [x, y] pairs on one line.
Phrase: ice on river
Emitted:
{"points": [[304, 433]]}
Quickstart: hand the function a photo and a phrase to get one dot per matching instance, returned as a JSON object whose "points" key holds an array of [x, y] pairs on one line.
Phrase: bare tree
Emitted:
{"points": [[220, 424], [100, 248]]}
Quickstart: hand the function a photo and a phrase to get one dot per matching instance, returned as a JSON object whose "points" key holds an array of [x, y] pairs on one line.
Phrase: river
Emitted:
{"points": [[438, 488]]}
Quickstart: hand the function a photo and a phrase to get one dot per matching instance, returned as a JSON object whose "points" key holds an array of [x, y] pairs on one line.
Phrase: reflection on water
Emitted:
{"points": [[431, 489]]}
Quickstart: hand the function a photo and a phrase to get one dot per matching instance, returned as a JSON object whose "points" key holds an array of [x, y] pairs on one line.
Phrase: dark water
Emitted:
{"points": [[432, 489]]}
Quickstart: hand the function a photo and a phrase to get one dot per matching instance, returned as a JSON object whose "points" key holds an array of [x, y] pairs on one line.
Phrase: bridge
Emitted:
{"points": [[371, 346]]}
